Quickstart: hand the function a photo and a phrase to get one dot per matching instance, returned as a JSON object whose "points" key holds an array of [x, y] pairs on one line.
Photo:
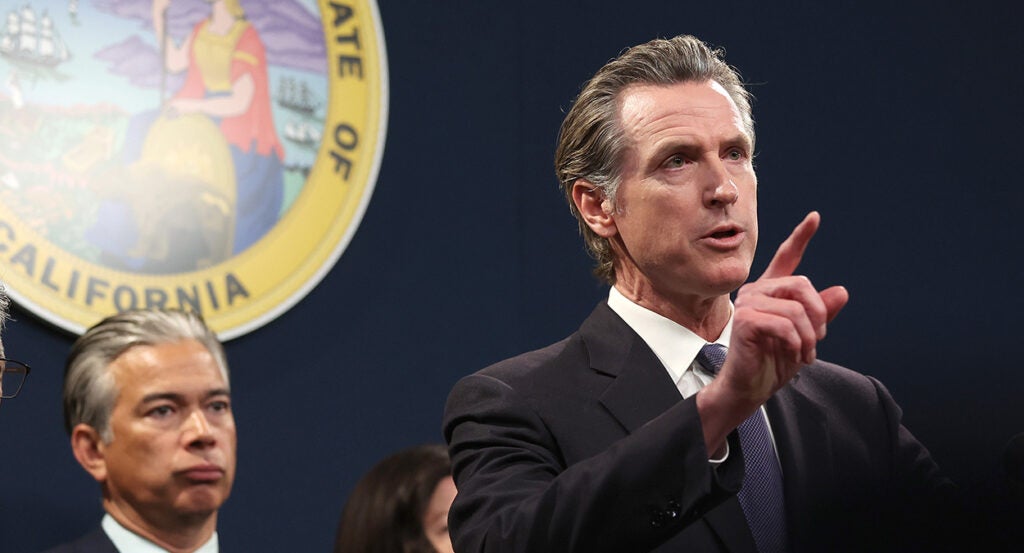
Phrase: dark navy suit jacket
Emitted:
{"points": [[586, 445], [93, 542]]}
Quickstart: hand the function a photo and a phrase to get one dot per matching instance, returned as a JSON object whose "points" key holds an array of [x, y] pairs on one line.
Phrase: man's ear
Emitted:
{"points": [[595, 208], [88, 449]]}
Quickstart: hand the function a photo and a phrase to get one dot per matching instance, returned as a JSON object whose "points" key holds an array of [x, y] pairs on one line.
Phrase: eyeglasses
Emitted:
{"points": [[12, 377]]}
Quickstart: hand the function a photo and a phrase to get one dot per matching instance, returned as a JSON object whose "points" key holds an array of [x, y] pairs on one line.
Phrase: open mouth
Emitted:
{"points": [[725, 236], [729, 233]]}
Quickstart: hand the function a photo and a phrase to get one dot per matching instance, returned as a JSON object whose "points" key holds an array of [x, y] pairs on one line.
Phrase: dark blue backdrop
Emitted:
{"points": [[900, 121]]}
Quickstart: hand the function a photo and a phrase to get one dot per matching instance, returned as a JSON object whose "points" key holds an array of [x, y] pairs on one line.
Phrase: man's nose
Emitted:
{"points": [[197, 429], [720, 190]]}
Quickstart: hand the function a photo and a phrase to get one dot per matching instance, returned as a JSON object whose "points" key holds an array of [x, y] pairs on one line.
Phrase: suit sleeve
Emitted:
{"points": [[515, 492], [914, 466], [928, 505]]}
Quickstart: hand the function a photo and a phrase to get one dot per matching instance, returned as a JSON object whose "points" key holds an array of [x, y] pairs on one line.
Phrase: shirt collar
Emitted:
{"points": [[675, 345], [126, 540]]}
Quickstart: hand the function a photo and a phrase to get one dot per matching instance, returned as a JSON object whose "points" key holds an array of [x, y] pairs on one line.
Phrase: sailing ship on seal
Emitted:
{"points": [[23, 40], [296, 96]]}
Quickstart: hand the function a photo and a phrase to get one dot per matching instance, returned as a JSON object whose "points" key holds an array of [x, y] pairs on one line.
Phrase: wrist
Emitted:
{"points": [[721, 411]]}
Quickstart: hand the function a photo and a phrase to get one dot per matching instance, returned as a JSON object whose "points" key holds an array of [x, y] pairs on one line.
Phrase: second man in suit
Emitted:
{"points": [[147, 403]]}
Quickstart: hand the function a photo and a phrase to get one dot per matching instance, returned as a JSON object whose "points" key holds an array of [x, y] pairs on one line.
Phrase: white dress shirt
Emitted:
{"points": [[127, 541]]}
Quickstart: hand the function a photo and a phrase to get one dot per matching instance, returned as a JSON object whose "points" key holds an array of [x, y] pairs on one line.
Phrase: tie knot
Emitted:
{"points": [[712, 356]]}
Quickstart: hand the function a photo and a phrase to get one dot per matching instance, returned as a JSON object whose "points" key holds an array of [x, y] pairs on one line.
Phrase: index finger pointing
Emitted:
{"points": [[789, 254]]}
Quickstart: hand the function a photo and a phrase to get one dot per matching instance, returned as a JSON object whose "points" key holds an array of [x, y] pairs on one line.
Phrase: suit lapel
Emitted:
{"points": [[641, 391], [800, 427], [642, 388]]}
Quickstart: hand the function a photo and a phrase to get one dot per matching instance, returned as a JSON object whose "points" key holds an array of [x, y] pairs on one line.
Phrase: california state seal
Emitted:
{"points": [[215, 156]]}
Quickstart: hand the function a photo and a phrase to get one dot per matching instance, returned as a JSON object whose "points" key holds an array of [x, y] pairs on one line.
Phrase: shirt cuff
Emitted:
{"points": [[721, 459]]}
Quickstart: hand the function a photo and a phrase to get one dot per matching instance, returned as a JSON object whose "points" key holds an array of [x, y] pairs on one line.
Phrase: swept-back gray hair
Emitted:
{"points": [[591, 141], [89, 389]]}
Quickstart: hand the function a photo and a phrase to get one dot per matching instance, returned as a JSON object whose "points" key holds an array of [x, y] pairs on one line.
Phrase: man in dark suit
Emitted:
{"points": [[147, 404], [675, 419]]}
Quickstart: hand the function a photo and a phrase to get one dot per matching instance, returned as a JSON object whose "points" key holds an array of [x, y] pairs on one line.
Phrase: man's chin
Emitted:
{"points": [[200, 501], [728, 279]]}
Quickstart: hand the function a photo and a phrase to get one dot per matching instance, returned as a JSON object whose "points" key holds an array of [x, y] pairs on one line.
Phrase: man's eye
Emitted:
{"points": [[675, 161], [161, 411], [220, 406], [735, 154]]}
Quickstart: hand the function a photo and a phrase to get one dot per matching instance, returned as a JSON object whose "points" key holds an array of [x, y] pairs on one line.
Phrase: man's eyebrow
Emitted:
{"points": [[740, 139], [685, 146], [157, 396], [218, 392], [179, 398]]}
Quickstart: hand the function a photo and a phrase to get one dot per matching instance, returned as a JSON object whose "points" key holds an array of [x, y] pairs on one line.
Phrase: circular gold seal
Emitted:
{"points": [[221, 163]]}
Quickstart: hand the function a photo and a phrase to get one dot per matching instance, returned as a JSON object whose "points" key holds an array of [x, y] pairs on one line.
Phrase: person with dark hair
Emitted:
{"points": [[147, 403], [400, 505], [675, 418]]}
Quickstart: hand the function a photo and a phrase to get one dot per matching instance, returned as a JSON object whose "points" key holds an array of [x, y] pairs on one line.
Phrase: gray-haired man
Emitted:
{"points": [[674, 418], [147, 404]]}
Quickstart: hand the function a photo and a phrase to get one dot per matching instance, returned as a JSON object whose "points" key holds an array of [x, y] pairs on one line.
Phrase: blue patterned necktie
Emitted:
{"points": [[761, 495]]}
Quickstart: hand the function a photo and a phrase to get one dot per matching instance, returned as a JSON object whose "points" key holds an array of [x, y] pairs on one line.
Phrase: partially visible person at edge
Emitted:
{"points": [[5, 303], [400, 505], [621, 437], [4, 315], [147, 403]]}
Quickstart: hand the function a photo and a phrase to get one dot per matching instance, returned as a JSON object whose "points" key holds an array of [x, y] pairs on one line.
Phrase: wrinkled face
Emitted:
{"points": [[435, 520], [685, 215], [173, 447]]}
